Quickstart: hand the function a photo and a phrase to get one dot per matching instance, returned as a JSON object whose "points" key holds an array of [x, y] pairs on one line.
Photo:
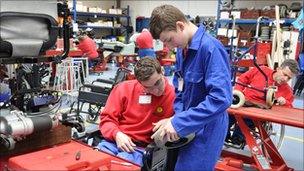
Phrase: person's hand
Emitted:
{"points": [[124, 142], [159, 124], [166, 130], [281, 100]]}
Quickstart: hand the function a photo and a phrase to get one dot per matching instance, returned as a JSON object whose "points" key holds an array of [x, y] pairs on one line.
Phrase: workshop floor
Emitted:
{"points": [[293, 143]]}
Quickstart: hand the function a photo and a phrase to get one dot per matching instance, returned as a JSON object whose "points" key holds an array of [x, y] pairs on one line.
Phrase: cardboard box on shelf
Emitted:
{"points": [[99, 10], [224, 15], [235, 41], [119, 11], [223, 39], [250, 13], [244, 38], [117, 25], [109, 24], [268, 13], [236, 14], [92, 9], [222, 32], [112, 11]]}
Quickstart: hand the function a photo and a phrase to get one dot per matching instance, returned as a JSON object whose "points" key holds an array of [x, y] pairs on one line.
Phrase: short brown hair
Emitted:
{"points": [[82, 37], [145, 68], [292, 65], [164, 18]]}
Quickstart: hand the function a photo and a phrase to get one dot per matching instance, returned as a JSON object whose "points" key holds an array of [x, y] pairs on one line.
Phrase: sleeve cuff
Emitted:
{"points": [[114, 134], [175, 126]]}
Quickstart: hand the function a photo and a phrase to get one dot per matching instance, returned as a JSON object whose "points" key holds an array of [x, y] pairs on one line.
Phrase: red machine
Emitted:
{"points": [[69, 156], [264, 154], [72, 53]]}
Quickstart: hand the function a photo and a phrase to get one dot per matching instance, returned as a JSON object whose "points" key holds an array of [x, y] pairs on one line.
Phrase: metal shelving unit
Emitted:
{"points": [[112, 17], [99, 27], [93, 14], [286, 21]]}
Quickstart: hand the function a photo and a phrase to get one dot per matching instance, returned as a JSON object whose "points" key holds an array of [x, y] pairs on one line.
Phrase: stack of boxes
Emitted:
{"points": [[80, 7]]}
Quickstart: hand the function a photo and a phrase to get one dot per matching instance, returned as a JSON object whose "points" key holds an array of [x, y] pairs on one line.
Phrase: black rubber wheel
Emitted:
{"points": [[270, 97], [238, 99]]}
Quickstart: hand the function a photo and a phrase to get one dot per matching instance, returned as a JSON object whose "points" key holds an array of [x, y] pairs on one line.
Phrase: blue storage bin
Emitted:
{"points": [[168, 70], [141, 23], [5, 92], [4, 97]]}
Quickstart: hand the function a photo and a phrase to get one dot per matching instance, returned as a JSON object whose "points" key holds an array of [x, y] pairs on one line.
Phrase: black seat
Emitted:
{"points": [[26, 35], [26, 32], [96, 95]]}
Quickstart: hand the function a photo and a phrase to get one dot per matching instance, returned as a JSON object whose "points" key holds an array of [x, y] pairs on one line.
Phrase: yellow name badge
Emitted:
{"points": [[159, 111]]}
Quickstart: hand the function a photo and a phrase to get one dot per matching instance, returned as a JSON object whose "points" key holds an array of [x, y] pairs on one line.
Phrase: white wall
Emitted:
{"points": [[100, 4], [193, 7], [189, 7], [145, 7]]}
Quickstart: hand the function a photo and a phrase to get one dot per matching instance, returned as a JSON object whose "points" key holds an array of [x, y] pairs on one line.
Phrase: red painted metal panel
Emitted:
{"points": [[282, 115], [72, 53], [70, 156], [266, 156]]}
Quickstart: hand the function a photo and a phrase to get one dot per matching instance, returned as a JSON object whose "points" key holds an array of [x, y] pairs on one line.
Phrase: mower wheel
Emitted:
{"points": [[238, 99], [270, 97]]}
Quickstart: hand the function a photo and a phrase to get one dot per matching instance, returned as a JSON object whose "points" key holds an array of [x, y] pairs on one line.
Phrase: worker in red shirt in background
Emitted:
{"points": [[283, 96], [132, 108], [144, 43], [88, 47]]}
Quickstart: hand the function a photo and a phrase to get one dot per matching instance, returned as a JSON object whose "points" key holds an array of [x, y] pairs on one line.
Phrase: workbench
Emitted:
{"points": [[264, 154]]}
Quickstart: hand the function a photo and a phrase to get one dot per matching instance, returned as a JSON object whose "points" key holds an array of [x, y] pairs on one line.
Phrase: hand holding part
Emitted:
{"points": [[281, 100], [159, 124], [164, 131], [124, 142]]}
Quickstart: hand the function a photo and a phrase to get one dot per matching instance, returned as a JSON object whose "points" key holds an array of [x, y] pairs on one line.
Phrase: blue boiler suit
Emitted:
{"points": [[200, 107], [147, 52]]}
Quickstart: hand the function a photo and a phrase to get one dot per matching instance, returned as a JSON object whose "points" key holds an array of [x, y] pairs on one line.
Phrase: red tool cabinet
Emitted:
{"points": [[69, 156]]}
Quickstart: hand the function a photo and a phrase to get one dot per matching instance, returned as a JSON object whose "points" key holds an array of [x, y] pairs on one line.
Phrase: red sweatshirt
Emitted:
{"points": [[88, 47], [144, 40], [255, 79], [124, 113]]}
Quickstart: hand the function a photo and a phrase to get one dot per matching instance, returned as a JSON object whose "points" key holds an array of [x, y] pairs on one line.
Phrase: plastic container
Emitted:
{"points": [[5, 92], [168, 70], [70, 156]]}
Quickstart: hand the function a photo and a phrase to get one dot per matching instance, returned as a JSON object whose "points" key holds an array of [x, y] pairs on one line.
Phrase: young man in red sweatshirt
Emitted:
{"points": [[284, 95], [88, 47], [144, 42], [132, 108]]}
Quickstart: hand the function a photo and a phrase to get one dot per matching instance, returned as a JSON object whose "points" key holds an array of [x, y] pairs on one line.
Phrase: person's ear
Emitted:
{"points": [[278, 68], [180, 25], [162, 71]]}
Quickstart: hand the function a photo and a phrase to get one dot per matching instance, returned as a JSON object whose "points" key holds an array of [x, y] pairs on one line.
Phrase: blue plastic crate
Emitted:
{"points": [[142, 23], [4, 97], [168, 70]]}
